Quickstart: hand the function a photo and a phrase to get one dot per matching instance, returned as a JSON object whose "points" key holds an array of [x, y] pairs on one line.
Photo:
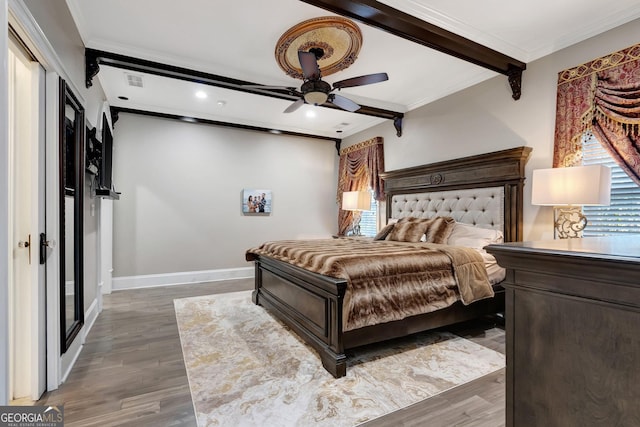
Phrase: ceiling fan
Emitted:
{"points": [[316, 91]]}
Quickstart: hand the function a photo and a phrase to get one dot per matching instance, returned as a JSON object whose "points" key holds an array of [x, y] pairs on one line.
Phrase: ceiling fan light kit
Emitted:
{"points": [[316, 92], [315, 98]]}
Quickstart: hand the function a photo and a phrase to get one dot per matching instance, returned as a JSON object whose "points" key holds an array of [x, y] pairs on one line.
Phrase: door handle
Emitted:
{"points": [[44, 244], [27, 245]]}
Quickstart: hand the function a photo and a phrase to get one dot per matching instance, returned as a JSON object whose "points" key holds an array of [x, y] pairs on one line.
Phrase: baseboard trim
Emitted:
{"points": [[69, 358], [90, 317], [181, 278]]}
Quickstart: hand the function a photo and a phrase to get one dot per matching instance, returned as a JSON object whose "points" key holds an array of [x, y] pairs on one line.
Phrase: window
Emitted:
{"points": [[369, 219], [622, 216]]}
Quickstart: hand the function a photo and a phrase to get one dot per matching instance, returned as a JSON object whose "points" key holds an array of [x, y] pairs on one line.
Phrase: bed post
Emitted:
{"points": [[309, 303], [257, 281]]}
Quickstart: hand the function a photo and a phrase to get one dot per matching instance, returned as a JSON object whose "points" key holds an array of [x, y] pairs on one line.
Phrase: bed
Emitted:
{"points": [[483, 191]]}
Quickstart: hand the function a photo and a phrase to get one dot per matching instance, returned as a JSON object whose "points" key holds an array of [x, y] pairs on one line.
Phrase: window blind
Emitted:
{"points": [[622, 216], [369, 219]]}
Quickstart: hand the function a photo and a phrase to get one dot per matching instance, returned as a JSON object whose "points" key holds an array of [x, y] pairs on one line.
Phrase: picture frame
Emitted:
{"points": [[256, 202]]}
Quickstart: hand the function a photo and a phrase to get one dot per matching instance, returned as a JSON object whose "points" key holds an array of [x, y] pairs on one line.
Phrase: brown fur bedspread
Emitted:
{"points": [[387, 280]]}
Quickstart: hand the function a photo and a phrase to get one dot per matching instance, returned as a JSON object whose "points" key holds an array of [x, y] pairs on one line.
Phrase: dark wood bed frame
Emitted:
{"points": [[311, 304]]}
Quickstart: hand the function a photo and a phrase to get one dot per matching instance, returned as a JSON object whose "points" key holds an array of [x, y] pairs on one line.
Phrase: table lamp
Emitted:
{"points": [[567, 190], [356, 201]]}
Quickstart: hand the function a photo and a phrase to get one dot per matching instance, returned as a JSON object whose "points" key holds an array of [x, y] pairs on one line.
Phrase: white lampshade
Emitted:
{"points": [[577, 185], [356, 201]]}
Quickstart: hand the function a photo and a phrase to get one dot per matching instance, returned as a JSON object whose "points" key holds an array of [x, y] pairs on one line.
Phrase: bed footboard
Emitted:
{"points": [[311, 305], [308, 303]]}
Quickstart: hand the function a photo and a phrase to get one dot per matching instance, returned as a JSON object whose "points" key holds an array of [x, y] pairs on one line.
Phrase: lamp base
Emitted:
{"points": [[355, 227], [569, 222]]}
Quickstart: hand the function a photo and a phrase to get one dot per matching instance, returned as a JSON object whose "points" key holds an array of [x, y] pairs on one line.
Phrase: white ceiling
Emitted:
{"points": [[237, 39]]}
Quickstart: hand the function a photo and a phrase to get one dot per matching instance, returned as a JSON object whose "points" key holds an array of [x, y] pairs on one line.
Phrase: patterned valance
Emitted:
{"points": [[601, 97], [368, 143], [604, 63]]}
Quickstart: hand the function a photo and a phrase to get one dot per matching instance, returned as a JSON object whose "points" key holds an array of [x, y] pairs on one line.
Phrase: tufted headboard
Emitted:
{"points": [[483, 207], [484, 190]]}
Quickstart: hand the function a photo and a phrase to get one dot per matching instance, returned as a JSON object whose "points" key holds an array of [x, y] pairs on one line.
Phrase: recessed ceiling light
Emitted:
{"points": [[221, 103], [311, 113], [201, 94], [124, 98]]}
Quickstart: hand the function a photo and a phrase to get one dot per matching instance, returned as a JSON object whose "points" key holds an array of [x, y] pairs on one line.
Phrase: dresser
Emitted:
{"points": [[572, 322]]}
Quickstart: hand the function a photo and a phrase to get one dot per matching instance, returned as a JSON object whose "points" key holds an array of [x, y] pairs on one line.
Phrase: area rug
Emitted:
{"points": [[245, 368]]}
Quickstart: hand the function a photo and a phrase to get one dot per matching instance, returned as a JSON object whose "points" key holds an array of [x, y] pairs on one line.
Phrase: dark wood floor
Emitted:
{"points": [[131, 370]]}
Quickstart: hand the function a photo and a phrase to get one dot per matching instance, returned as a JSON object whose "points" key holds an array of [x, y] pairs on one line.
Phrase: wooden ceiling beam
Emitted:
{"points": [[94, 58], [115, 113], [398, 23]]}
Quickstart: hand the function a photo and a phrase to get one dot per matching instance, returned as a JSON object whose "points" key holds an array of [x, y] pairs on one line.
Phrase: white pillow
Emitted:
{"points": [[474, 237]]}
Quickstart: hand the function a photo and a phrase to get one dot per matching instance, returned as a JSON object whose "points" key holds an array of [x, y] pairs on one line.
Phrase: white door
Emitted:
{"points": [[27, 328]]}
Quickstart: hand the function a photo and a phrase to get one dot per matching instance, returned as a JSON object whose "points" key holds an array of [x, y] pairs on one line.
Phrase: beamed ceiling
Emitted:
{"points": [[152, 56]]}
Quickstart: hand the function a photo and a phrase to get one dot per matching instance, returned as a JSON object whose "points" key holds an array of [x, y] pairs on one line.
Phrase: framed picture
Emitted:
{"points": [[256, 202]]}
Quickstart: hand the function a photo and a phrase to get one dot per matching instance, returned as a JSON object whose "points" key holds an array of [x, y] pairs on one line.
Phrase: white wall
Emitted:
{"points": [[485, 118], [181, 184]]}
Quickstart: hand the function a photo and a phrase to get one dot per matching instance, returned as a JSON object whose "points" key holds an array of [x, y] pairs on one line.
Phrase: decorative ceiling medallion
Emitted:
{"points": [[338, 37]]}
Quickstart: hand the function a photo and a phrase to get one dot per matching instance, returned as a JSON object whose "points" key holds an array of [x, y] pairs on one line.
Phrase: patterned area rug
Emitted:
{"points": [[245, 368]]}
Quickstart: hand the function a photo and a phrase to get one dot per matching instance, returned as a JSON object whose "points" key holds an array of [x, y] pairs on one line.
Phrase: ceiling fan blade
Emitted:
{"points": [[289, 88], [309, 64], [293, 107], [344, 103], [361, 80]]}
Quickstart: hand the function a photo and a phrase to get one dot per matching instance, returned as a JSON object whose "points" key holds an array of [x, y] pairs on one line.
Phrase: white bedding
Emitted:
{"points": [[494, 271]]}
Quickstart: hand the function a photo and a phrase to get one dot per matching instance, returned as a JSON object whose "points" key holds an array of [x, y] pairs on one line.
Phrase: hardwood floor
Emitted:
{"points": [[131, 370], [479, 403]]}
